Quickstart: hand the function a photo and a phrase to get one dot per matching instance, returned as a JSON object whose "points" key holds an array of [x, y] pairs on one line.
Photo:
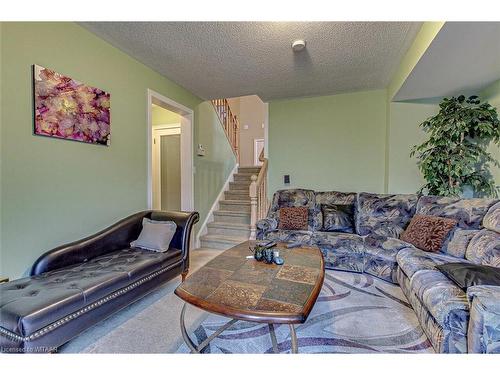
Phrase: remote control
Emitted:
{"points": [[292, 245]]}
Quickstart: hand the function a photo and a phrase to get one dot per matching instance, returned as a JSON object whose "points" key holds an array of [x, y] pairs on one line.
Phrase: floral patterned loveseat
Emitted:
{"points": [[454, 321]]}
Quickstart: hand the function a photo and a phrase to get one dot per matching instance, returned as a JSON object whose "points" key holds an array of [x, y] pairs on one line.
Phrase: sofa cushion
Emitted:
{"points": [[53, 295], [457, 241], [444, 300], [31, 303], [411, 260], [330, 197], [138, 263], [491, 220], [380, 256], [468, 212], [264, 226], [384, 215], [343, 251], [290, 236], [338, 218], [484, 248], [428, 232], [294, 198], [293, 218]]}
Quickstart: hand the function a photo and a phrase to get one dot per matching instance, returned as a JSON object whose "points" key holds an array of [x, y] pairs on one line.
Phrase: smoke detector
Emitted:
{"points": [[298, 45]]}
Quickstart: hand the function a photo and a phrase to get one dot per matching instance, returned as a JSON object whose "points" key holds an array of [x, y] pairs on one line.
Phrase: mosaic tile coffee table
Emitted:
{"points": [[243, 289]]}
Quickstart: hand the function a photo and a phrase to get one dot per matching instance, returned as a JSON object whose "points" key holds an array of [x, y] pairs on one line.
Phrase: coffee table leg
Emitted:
{"points": [[272, 333], [185, 335], [205, 342], [190, 343], [197, 349], [293, 336]]}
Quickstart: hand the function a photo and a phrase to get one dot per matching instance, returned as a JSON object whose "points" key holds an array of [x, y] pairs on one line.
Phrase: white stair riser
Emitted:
{"points": [[242, 178], [249, 170], [232, 219], [236, 196], [238, 186], [228, 231], [241, 192], [220, 243], [234, 207]]}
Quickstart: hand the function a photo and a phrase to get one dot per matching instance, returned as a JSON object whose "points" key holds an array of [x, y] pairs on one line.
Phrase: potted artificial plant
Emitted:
{"points": [[455, 156]]}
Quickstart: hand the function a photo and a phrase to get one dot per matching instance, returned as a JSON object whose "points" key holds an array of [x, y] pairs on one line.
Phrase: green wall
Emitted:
{"points": [[162, 116], [422, 41], [213, 169], [492, 95], [345, 142], [404, 132], [54, 191], [329, 143], [403, 175]]}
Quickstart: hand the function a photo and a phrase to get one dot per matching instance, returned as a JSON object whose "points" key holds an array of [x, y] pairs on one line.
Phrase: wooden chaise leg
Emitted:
{"points": [[184, 275]]}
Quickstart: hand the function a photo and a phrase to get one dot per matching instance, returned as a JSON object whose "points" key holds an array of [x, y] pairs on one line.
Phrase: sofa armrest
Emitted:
{"points": [[483, 334], [265, 226], [185, 222]]}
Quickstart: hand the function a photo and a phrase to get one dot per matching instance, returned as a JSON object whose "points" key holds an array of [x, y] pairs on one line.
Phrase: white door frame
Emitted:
{"points": [[266, 130], [256, 141], [187, 121]]}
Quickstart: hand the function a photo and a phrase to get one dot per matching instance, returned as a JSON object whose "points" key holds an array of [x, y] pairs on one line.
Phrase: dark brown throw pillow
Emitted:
{"points": [[293, 218], [428, 232]]}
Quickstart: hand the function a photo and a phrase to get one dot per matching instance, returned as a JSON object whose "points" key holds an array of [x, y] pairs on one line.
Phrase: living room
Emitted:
{"points": [[335, 189]]}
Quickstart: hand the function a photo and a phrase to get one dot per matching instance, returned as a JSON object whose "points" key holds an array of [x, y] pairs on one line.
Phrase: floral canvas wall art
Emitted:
{"points": [[68, 109]]}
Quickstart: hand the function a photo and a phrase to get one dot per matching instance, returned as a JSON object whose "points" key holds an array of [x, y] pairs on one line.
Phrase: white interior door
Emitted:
{"points": [[163, 198], [258, 146]]}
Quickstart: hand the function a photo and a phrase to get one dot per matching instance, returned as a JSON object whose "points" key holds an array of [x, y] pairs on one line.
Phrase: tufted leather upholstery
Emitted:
{"points": [[72, 277]]}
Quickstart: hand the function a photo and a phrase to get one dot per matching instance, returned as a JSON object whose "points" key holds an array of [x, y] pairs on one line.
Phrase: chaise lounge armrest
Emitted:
{"points": [[116, 237], [265, 226], [185, 221], [484, 324]]}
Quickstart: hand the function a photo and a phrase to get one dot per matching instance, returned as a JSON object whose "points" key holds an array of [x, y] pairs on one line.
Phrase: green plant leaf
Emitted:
{"points": [[456, 152]]}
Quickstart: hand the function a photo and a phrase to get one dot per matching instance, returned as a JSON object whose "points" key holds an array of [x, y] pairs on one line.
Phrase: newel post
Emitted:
{"points": [[253, 206]]}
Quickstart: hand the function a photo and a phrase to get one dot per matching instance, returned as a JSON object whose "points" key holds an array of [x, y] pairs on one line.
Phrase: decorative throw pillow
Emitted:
{"points": [[338, 218], [293, 218], [466, 275], [155, 235], [428, 232]]}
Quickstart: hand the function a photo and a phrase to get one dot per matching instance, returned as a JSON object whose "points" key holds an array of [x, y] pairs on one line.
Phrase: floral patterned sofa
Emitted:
{"points": [[454, 321]]}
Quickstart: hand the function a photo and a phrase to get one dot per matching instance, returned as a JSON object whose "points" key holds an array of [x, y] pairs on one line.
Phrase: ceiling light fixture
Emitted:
{"points": [[298, 45]]}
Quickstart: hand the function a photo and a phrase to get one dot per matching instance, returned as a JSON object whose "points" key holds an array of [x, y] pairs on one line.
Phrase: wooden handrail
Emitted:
{"points": [[229, 123], [261, 156], [259, 204]]}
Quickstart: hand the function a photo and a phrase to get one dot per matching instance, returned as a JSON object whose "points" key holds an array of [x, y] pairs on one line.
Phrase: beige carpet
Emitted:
{"points": [[151, 325], [354, 314]]}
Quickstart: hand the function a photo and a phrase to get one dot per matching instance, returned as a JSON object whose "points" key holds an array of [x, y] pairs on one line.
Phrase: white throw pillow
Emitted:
{"points": [[155, 235]]}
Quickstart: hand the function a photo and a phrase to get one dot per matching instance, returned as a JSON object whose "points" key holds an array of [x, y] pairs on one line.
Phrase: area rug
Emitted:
{"points": [[355, 313]]}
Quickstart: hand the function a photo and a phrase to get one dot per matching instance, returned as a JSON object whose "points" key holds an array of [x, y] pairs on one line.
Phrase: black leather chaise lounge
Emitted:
{"points": [[79, 284]]}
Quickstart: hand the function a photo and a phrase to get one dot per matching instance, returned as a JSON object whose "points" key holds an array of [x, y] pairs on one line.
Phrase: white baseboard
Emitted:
{"points": [[215, 206]]}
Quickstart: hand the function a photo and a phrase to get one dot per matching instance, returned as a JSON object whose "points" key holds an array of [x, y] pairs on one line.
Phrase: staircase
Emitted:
{"points": [[231, 224]]}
